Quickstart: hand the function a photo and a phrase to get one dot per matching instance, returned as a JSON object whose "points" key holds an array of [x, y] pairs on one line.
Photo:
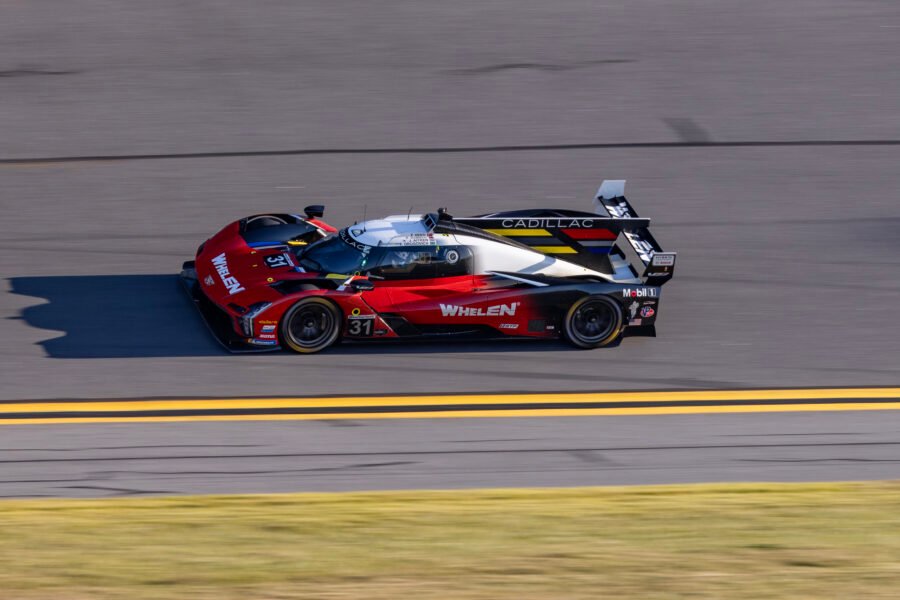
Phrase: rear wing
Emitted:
{"points": [[642, 252], [592, 240]]}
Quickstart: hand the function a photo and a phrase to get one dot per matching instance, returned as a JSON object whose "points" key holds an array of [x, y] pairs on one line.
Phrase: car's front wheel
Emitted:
{"points": [[593, 321], [311, 325]]}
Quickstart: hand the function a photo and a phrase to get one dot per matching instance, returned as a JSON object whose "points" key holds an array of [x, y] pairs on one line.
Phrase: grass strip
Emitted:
{"points": [[755, 541]]}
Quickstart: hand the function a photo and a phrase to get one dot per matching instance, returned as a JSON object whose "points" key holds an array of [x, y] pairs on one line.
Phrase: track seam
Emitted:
{"points": [[446, 150]]}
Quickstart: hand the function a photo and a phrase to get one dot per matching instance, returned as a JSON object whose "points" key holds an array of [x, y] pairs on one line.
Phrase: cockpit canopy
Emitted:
{"points": [[341, 253]]}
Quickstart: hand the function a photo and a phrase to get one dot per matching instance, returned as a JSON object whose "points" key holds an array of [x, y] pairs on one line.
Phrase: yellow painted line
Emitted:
{"points": [[555, 249], [456, 399], [521, 232], [575, 412], [411, 407]]}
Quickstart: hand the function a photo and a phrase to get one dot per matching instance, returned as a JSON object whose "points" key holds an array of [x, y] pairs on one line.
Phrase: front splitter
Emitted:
{"points": [[217, 321]]}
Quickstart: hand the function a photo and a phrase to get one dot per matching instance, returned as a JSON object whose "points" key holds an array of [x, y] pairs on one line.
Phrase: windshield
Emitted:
{"points": [[334, 255]]}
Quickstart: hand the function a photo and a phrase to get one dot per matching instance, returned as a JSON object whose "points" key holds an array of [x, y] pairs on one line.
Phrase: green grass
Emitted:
{"points": [[816, 541]]}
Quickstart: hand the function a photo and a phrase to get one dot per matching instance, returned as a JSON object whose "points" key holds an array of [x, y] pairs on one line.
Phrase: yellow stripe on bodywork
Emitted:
{"points": [[556, 249], [521, 232]]}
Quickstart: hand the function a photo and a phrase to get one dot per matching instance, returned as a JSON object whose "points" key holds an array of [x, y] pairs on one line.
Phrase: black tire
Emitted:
{"points": [[593, 321], [311, 325]]}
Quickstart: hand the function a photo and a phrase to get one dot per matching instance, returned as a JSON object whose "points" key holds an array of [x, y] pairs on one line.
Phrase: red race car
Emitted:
{"points": [[282, 280]]}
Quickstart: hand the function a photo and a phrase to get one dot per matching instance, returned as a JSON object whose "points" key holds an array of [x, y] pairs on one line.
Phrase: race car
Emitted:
{"points": [[273, 281]]}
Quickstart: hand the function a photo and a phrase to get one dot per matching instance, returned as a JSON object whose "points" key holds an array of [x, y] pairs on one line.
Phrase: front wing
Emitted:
{"points": [[218, 323]]}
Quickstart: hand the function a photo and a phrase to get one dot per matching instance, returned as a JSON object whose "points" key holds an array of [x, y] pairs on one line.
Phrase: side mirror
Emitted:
{"points": [[314, 211], [362, 285]]}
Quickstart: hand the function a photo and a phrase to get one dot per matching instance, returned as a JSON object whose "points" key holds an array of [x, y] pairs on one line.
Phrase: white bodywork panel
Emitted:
{"points": [[609, 189], [395, 230], [490, 255], [495, 256]]}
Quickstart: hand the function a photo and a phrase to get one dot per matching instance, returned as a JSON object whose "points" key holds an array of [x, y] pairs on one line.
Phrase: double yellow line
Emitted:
{"points": [[448, 406]]}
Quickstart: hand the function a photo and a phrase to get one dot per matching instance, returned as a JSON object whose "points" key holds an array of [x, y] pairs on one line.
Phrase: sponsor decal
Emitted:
{"points": [[221, 265], [348, 239], [641, 246], [262, 342], [267, 336], [546, 223], [381, 332], [663, 259], [278, 260], [619, 211], [452, 257], [497, 310], [418, 239], [658, 274], [209, 280], [361, 326], [647, 312], [632, 309], [268, 328], [640, 293], [268, 322], [509, 325], [355, 312]]}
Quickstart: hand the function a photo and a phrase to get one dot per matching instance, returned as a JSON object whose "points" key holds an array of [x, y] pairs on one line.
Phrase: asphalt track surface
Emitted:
{"points": [[761, 138]]}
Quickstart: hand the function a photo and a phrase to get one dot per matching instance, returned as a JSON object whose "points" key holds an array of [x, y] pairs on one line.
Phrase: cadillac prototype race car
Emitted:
{"points": [[273, 281]]}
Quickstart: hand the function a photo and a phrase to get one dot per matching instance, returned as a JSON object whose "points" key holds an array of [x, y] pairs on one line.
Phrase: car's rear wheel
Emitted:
{"points": [[593, 321], [311, 325]]}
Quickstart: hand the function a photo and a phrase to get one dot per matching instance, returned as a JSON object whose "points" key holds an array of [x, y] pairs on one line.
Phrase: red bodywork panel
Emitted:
{"points": [[236, 276]]}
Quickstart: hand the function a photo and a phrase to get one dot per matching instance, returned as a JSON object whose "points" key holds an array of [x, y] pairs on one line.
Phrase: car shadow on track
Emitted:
{"points": [[450, 346], [116, 316], [130, 316]]}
